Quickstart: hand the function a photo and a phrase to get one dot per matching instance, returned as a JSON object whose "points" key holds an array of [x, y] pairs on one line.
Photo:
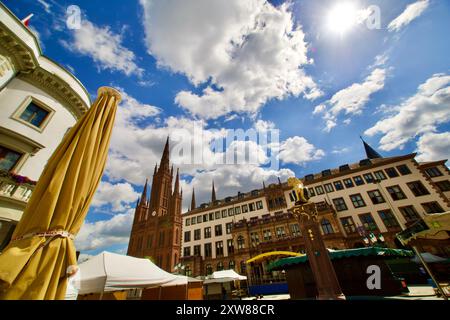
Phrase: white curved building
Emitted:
{"points": [[39, 102]]}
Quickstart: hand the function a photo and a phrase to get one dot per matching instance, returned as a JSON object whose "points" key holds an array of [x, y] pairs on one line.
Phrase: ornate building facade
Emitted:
{"points": [[157, 224]]}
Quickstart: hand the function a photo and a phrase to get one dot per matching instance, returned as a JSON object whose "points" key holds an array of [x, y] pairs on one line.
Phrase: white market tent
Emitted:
{"points": [[224, 276], [112, 272]]}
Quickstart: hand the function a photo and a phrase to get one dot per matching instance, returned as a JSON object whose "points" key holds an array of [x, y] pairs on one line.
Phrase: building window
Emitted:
{"points": [[443, 185], [368, 222], [211, 216], [230, 212], [208, 250], [432, 207], [237, 210], [267, 235], [161, 238], [219, 248], [231, 265], [357, 200], [219, 266], [209, 269], [338, 185], [311, 192], [187, 222], [149, 241], [319, 190], [187, 251], [193, 220], [228, 227], [379, 175], [327, 228], [139, 243], [217, 214], [244, 208], [259, 205], [187, 236], [348, 224], [417, 188], [340, 205], [376, 196], [197, 250], [224, 213], [328, 187], [34, 114], [205, 218], [280, 232], [433, 172], [199, 219], [8, 158], [197, 234], [240, 242], [254, 239], [251, 206], [230, 246], [358, 180], [388, 219], [348, 183], [187, 271], [391, 172], [243, 267], [396, 193], [218, 230], [295, 230], [207, 232], [368, 177], [403, 169], [409, 213]]}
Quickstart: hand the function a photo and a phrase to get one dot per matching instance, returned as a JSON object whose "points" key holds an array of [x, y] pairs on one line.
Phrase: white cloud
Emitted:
{"points": [[119, 196], [104, 47], [340, 150], [298, 150], [351, 100], [104, 233], [45, 5], [263, 125], [411, 12], [418, 115], [433, 146], [228, 180], [250, 50]]}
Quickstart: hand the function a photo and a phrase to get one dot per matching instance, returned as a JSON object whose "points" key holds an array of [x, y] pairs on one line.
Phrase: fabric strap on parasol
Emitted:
{"points": [[46, 234]]}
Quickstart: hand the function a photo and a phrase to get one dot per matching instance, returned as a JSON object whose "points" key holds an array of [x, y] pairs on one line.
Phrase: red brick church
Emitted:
{"points": [[156, 230]]}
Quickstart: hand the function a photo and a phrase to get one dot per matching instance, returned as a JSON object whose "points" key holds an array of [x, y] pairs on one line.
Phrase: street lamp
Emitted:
{"points": [[416, 251]]}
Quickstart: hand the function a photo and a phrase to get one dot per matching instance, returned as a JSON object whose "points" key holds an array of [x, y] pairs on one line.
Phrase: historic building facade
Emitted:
{"points": [[39, 102], [359, 204], [157, 224]]}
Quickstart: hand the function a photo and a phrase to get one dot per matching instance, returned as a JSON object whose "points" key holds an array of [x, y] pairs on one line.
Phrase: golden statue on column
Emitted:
{"points": [[305, 211]]}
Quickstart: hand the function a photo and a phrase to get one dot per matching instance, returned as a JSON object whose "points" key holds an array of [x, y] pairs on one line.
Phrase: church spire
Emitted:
{"points": [[371, 153], [213, 193], [165, 156], [176, 190], [144, 194], [193, 200]]}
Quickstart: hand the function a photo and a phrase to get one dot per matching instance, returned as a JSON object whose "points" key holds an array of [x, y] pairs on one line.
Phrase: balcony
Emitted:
{"points": [[15, 188]]}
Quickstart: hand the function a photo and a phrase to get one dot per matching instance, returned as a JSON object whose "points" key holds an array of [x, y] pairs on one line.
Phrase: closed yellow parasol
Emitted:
{"points": [[41, 254]]}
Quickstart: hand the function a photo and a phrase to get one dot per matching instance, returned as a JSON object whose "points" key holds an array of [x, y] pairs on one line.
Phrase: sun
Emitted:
{"points": [[342, 18]]}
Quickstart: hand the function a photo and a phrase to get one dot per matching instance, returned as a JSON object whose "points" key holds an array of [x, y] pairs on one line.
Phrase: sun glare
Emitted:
{"points": [[341, 18]]}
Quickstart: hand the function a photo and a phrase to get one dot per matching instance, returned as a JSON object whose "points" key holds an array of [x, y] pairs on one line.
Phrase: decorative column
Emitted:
{"points": [[328, 287]]}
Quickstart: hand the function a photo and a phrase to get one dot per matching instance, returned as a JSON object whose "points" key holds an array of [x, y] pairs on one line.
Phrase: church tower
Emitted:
{"points": [[156, 230]]}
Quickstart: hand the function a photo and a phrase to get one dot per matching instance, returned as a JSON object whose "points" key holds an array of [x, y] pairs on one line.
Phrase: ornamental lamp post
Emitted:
{"points": [[305, 211]]}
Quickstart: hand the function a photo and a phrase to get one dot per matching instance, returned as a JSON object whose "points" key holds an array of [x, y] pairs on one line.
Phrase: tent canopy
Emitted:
{"points": [[111, 272], [224, 276], [428, 257]]}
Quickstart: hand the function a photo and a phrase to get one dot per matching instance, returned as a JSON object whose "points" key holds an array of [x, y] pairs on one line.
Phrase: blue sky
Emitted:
{"points": [[293, 65]]}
